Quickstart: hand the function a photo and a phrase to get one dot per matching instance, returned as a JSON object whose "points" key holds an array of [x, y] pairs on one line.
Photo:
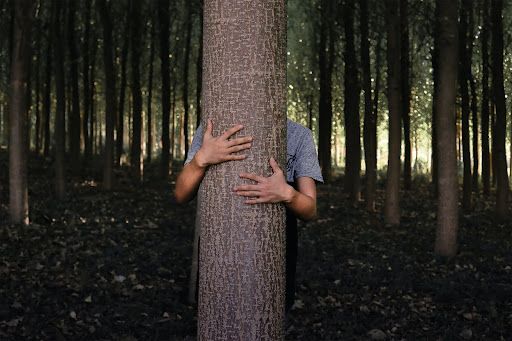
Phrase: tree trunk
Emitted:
{"points": [[406, 91], [20, 65], [37, 128], [392, 201], [110, 95], [86, 82], [92, 111], [370, 121], [199, 65], [464, 93], [242, 249], [351, 109], [47, 95], [135, 35], [474, 103], [325, 99], [448, 198], [186, 65], [60, 120], [435, 79], [149, 143], [122, 92], [163, 20], [74, 114], [501, 118], [486, 158]]}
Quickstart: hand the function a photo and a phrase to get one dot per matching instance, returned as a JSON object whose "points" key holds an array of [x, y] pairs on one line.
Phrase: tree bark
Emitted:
{"points": [[37, 128], [241, 284], [447, 209], [60, 112], [20, 65], [486, 158], [186, 67], [464, 93], [149, 143], [351, 109], [501, 112], [122, 92], [110, 95], [47, 95], [135, 36], [86, 87], [435, 79], [474, 101], [392, 201], [406, 90], [199, 65], [163, 20]]}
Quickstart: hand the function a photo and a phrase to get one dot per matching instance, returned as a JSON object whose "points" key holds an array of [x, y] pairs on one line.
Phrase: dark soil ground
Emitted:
{"points": [[114, 266]]}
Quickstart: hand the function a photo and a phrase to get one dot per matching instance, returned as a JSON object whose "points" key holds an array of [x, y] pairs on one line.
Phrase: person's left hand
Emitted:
{"points": [[273, 189]]}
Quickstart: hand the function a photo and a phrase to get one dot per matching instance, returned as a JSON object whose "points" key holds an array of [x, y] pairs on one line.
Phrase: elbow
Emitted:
{"points": [[179, 197], [311, 216]]}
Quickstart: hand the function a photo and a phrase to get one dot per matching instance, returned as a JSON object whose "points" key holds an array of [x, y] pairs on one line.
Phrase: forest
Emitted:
{"points": [[409, 105]]}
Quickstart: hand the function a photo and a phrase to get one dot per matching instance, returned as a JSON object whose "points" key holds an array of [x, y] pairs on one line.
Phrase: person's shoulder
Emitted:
{"points": [[297, 130]]}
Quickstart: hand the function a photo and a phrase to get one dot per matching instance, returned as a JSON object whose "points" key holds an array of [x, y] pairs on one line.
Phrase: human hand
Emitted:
{"points": [[272, 189], [220, 149]]}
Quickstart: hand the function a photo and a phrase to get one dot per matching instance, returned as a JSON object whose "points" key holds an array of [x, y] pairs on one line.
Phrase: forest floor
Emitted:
{"points": [[114, 266]]}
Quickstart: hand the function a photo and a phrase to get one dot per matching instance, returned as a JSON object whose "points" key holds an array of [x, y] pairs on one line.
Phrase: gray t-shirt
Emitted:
{"points": [[302, 159]]}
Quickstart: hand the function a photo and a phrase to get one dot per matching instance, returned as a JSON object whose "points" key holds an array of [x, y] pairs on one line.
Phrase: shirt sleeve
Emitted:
{"points": [[197, 141], [307, 159]]}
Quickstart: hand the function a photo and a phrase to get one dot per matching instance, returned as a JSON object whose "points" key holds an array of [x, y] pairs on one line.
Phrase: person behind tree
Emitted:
{"points": [[296, 189]]}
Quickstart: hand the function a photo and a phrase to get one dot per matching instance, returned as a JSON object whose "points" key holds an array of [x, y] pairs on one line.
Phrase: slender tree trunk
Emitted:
{"points": [[435, 79], [474, 103], [486, 158], [243, 242], [351, 109], [447, 209], [392, 202], [37, 129], [149, 143], [47, 95], [406, 90], [74, 114], [85, 80], [92, 110], [464, 93], [122, 92], [20, 65], [60, 114], [135, 35], [501, 118], [325, 99], [186, 65], [163, 20], [199, 65], [369, 118], [110, 95]]}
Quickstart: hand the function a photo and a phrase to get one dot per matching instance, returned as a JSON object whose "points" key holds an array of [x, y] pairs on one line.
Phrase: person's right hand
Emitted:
{"points": [[220, 149]]}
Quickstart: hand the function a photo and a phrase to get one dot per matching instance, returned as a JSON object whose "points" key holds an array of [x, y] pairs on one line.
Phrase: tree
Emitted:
{"points": [[20, 65], [486, 158], [501, 112], [186, 67], [392, 201], [110, 95], [163, 20], [149, 143], [406, 90], [448, 198], [244, 58], [351, 108], [47, 93], [85, 74], [122, 91], [135, 35]]}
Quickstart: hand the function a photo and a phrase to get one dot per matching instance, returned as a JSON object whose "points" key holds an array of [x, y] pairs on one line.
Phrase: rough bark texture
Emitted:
{"points": [[501, 112], [406, 90], [486, 157], [447, 210], [163, 21], [20, 65], [199, 65], [241, 280], [351, 108], [110, 95], [392, 202]]}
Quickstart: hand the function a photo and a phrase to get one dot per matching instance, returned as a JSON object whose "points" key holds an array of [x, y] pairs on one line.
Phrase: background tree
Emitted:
{"points": [[135, 41]]}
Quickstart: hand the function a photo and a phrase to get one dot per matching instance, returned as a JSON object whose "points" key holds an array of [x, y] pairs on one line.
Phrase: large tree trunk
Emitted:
{"points": [[370, 122], [60, 112], [241, 280], [501, 112], [392, 202], [186, 68], [149, 142], [406, 90], [135, 35], [351, 109], [486, 158], [86, 82], [448, 198], [325, 61], [163, 20], [110, 95], [74, 113], [464, 93], [20, 65]]}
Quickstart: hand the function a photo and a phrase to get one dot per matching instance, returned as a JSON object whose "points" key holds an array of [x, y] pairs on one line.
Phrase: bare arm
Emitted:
{"points": [[274, 189], [214, 150]]}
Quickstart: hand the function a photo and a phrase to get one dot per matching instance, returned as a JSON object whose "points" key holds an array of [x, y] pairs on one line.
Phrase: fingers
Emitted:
{"points": [[253, 201], [209, 127], [233, 157], [253, 188], [231, 131], [240, 147], [274, 165], [253, 177], [239, 140], [248, 194]]}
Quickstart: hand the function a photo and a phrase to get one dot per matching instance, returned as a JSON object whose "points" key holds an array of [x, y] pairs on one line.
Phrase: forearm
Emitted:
{"points": [[302, 205], [188, 181]]}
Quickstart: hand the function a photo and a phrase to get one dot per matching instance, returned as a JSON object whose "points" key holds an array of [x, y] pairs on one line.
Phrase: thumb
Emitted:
{"points": [[274, 165], [209, 128]]}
